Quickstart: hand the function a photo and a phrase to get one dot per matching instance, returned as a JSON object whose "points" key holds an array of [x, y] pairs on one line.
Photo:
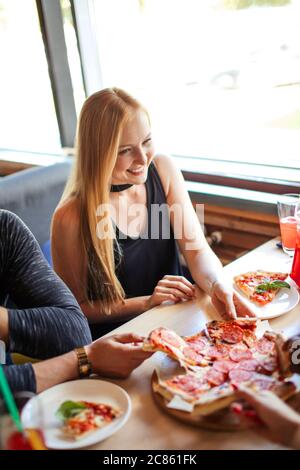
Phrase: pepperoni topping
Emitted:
{"points": [[215, 377], [240, 353], [240, 375], [264, 346], [249, 364], [232, 334], [192, 356], [224, 366], [246, 325], [187, 383], [220, 351], [249, 338], [198, 342]]}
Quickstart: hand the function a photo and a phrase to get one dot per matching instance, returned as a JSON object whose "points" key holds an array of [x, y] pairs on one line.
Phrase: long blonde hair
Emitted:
{"points": [[100, 125]]}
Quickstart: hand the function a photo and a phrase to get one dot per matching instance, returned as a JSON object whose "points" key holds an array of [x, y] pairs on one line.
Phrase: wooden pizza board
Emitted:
{"points": [[222, 420]]}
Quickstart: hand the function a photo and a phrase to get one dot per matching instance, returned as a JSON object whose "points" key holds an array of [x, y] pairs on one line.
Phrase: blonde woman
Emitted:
{"points": [[110, 244]]}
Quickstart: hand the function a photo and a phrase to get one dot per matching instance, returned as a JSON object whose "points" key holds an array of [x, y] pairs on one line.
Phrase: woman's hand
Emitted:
{"points": [[227, 303], [174, 288], [117, 355], [281, 422]]}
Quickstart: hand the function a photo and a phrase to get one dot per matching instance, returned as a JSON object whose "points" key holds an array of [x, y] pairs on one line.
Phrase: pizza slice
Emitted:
{"points": [[260, 286], [196, 391], [232, 332], [207, 398], [189, 352], [167, 341], [81, 418]]}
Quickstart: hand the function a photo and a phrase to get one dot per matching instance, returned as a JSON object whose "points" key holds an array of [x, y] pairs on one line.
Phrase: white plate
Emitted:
{"points": [[97, 391], [285, 300]]}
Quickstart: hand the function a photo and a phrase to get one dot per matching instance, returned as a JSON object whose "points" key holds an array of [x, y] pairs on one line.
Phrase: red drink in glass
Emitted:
{"points": [[288, 229], [295, 274]]}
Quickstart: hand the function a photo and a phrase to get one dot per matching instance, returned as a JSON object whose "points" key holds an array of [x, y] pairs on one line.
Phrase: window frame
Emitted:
{"points": [[51, 23]]}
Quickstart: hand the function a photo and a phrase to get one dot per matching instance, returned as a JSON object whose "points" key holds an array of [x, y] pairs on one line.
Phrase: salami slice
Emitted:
{"points": [[249, 338], [220, 351], [215, 377], [240, 375], [224, 366], [192, 355], [232, 334], [264, 346], [198, 342], [188, 383], [249, 364], [240, 353]]}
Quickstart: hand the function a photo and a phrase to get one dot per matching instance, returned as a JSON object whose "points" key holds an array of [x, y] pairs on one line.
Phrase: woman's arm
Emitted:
{"points": [[203, 264], [47, 320], [205, 268]]}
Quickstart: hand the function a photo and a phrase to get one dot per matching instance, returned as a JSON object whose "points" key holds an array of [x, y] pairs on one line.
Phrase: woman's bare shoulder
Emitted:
{"points": [[165, 168]]}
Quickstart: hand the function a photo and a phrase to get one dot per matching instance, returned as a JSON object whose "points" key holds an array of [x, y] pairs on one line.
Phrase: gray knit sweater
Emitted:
{"points": [[47, 320]]}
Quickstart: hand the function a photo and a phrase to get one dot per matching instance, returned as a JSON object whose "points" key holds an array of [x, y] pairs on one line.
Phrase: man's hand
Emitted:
{"points": [[117, 355]]}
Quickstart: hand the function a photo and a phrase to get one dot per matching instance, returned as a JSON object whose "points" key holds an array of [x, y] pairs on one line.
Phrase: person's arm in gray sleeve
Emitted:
{"points": [[47, 321]]}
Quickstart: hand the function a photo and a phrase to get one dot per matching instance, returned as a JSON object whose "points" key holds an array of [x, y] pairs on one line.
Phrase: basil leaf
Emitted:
{"points": [[69, 408], [262, 287], [260, 291], [278, 284], [271, 286]]}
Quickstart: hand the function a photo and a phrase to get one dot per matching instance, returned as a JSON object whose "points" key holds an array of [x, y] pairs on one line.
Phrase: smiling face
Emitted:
{"points": [[135, 153]]}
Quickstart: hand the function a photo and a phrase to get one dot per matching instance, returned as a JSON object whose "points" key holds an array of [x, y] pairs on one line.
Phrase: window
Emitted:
{"points": [[73, 54], [221, 78], [27, 114]]}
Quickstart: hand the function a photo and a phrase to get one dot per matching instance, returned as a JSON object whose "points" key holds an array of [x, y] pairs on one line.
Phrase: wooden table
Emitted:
{"points": [[148, 427]]}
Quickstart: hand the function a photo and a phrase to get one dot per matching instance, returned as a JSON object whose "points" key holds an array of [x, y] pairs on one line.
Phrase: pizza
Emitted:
{"points": [[214, 392], [261, 287], [82, 417], [169, 342], [232, 332], [217, 360]]}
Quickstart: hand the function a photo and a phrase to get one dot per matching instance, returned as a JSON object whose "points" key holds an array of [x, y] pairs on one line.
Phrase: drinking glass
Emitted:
{"points": [[295, 273], [10, 437], [288, 206]]}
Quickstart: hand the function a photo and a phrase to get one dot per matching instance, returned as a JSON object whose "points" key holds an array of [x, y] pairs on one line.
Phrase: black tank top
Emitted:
{"points": [[146, 259]]}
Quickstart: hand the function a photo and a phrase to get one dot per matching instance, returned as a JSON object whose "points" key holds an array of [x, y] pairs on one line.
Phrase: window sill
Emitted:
{"points": [[12, 161], [255, 177], [236, 198]]}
